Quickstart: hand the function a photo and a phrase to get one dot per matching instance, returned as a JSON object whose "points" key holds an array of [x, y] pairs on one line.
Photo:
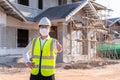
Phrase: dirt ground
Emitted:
{"points": [[106, 72]]}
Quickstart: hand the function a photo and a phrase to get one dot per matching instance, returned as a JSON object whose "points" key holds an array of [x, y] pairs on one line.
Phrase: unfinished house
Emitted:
{"points": [[9, 18], [74, 24], [113, 25]]}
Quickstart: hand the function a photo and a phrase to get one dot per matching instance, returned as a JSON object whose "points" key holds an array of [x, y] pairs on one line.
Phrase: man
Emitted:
{"points": [[40, 54]]}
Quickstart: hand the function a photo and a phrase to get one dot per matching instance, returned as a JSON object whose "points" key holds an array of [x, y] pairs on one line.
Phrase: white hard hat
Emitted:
{"points": [[44, 21]]}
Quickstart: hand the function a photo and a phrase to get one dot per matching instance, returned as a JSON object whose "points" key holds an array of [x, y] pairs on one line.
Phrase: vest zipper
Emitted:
{"points": [[41, 55]]}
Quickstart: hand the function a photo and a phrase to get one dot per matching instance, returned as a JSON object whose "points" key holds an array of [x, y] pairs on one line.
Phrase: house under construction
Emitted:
{"points": [[75, 24]]}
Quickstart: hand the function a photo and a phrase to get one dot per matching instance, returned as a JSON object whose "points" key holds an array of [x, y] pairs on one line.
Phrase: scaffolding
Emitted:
{"points": [[92, 40]]}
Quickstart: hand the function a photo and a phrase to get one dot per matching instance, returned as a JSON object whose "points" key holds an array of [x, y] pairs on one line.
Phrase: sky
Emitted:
{"points": [[111, 4]]}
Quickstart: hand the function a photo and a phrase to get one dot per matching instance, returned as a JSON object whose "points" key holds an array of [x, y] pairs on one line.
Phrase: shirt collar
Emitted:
{"points": [[47, 37]]}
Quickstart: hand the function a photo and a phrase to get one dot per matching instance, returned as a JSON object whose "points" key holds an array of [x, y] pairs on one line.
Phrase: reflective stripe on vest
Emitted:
{"points": [[44, 57], [48, 57], [44, 67]]}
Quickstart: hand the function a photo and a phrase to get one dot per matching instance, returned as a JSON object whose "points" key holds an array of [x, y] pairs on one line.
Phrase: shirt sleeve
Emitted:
{"points": [[27, 53]]}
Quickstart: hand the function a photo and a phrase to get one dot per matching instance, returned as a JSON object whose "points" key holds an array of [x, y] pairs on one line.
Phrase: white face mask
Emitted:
{"points": [[44, 31]]}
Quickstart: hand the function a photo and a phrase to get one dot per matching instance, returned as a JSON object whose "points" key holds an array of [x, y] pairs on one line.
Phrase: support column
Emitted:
{"points": [[2, 37], [3, 22], [62, 33], [86, 42]]}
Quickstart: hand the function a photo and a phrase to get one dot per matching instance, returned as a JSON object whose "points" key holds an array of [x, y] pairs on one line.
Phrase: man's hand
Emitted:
{"points": [[30, 64], [59, 46]]}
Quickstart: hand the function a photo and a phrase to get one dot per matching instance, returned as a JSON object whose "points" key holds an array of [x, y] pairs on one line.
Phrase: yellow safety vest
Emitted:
{"points": [[43, 58]]}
